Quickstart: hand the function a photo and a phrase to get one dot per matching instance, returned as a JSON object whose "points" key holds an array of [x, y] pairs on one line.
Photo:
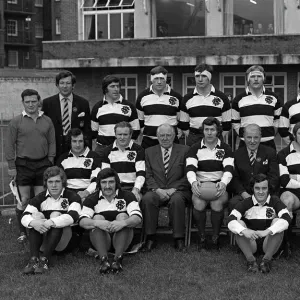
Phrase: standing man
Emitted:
{"points": [[127, 159], [110, 111], [209, 167], [167, 185], [257, 106], [249, 160], [205, 101], [110, 214], [67, 110], [290, 116], [80, 164], [29, 150], [157, 105]]}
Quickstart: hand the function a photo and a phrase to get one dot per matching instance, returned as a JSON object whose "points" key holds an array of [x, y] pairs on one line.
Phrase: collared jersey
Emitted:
{"points": [[129, 164], [124, 201], [204, 164], [195, 108], [259, 217], [81, 171], [68, 204], [154, 110], [105, 116], [263, 111], [290, 116]]}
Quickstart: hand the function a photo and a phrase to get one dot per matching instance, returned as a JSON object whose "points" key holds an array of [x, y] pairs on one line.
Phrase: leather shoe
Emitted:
{"points": [[265, 266], [149, 246], [252, 266], [179, 245]]}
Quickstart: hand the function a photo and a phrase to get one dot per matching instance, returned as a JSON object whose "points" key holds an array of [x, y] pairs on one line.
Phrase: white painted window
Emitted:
{"points": [[39, 3], [39, 31], [12, 1], [12, 27], [13, 58], [169, 80], [188, 83], [57, 26], [129, 88]]}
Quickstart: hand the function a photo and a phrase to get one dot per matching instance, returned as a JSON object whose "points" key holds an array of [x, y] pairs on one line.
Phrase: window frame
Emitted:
{"points": [[38, 3], [184, 82], [12, 1], [126, 87], [37, 24], [58, 26], [15, 33], [16, 52]]}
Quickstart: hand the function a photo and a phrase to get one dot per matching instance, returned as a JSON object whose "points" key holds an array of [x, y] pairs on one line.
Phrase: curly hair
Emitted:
{"points": [[54, 171], [105, 173]]}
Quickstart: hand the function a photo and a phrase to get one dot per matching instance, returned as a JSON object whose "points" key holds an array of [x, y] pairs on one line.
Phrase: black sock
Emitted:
{"points": [[200, 220], [52, 239], [151, 237], [19, 214], [216, 221], [35, 242]]}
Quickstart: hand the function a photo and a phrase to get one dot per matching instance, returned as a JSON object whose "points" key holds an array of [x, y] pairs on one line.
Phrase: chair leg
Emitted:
{"points": [[189, 210]]}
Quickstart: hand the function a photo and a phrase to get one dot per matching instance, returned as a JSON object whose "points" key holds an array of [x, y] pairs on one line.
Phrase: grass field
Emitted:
{"points": [[162, 274]]}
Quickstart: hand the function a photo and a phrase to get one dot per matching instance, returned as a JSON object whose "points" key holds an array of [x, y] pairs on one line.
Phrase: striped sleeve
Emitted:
{"points": [[228, 165], [226, 112], [33, 206], [140, 110], [277, 111], [235, 114], [94, 121], [140, 169], [88, 206], [284, 122], [134, 122], [133, 208], [184, 117], [192, 163]]}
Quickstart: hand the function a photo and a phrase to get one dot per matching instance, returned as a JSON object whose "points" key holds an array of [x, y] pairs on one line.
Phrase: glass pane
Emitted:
{"points": [[115, 26], [280, 93], [269, 80], [228, 80], [127, 2], [89, 27], [88, 3], [122, 81], [250, 18], [228, 91], [131, 82], [190, 90], [240, 80], [131, 95], [101, 3], [169, 81], [190, 81], [123, 93], [279, 80], [102, 27], [114, 2], [239, 91], [128, 25], [180, 18]]}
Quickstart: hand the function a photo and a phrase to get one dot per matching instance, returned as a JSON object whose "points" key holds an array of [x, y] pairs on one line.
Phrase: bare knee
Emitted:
{"points": [[198, 203], [288, 199], [121, 217]]}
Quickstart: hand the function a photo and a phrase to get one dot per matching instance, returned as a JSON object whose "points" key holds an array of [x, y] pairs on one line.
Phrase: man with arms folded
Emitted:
{"points": [[49, 216], [110, 214], [250, 160], [259, 222], [167, 185], [209, 167], [127, 159], [29, 150]]}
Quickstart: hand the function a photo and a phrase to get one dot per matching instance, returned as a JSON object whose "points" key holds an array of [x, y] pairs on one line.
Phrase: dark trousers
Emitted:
{"points": [[151, 204]]}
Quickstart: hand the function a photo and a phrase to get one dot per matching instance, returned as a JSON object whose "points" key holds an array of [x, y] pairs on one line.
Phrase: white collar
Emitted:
{"points": [[60, 196], [24, 113], [255, 202]]}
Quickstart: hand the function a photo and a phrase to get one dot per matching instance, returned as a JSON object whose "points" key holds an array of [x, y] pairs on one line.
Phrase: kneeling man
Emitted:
{"points": [[48, 217], [110, 214], [259, 221]]}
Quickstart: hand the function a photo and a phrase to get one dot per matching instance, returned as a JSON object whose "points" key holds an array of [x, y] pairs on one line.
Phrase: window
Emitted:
{"points": [[39, 3], [129, 87], [12, 58], [188, 83], [108, 19], [26, 56], [180, 18], [12, 27], [57, 26], [39, 31], [12, 1], [232, 84], [169, 80]]}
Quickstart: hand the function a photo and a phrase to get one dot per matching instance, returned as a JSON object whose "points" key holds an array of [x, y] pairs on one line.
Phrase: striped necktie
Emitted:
{"points": [[252, 158], [65, 117], [166, 161]]}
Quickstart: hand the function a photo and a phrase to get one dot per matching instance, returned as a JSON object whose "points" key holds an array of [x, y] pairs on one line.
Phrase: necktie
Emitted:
{"points": [[252, 158], [166, 161], [66, 118]]}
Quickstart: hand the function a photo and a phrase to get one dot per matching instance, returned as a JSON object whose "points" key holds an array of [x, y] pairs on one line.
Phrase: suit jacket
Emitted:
{"points": [[155, 171], [52, 109], [265, 163]]}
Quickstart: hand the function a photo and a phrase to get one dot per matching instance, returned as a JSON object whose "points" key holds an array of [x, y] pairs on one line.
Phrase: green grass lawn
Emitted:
{"points": [[162, 274]]}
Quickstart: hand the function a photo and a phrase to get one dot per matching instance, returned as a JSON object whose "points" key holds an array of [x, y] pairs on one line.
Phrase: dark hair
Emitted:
{"points": [[105, 173], [157, 70], [203, 67], [74, 132], [295, 129], [107, 80], [54, 171], [30, 92], [259, 178], [123, 124], [65, 74], [213, 121]]}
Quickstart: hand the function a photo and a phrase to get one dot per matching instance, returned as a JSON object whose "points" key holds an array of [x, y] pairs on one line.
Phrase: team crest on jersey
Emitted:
{"points": [[216, 101], [270, 213], [64, 203], [172, 100], [125, 109], [131, 156], [120, 205], [220, 154], [269, 99], [87, 162]]}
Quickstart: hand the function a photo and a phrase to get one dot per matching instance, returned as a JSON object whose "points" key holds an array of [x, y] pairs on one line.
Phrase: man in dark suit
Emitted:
{"points": [[67, 110], [250, 160], [167, 185]]}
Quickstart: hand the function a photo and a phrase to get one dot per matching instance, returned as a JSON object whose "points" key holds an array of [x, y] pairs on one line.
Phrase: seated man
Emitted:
{"points": [[259, 221], [250, 160], [127, 159], [209, 170], [167, 185], [80, 164], [110, 215], [48, 217]]}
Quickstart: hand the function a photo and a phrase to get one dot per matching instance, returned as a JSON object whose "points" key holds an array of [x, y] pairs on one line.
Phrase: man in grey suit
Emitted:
{"points": [[167, 185]]}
